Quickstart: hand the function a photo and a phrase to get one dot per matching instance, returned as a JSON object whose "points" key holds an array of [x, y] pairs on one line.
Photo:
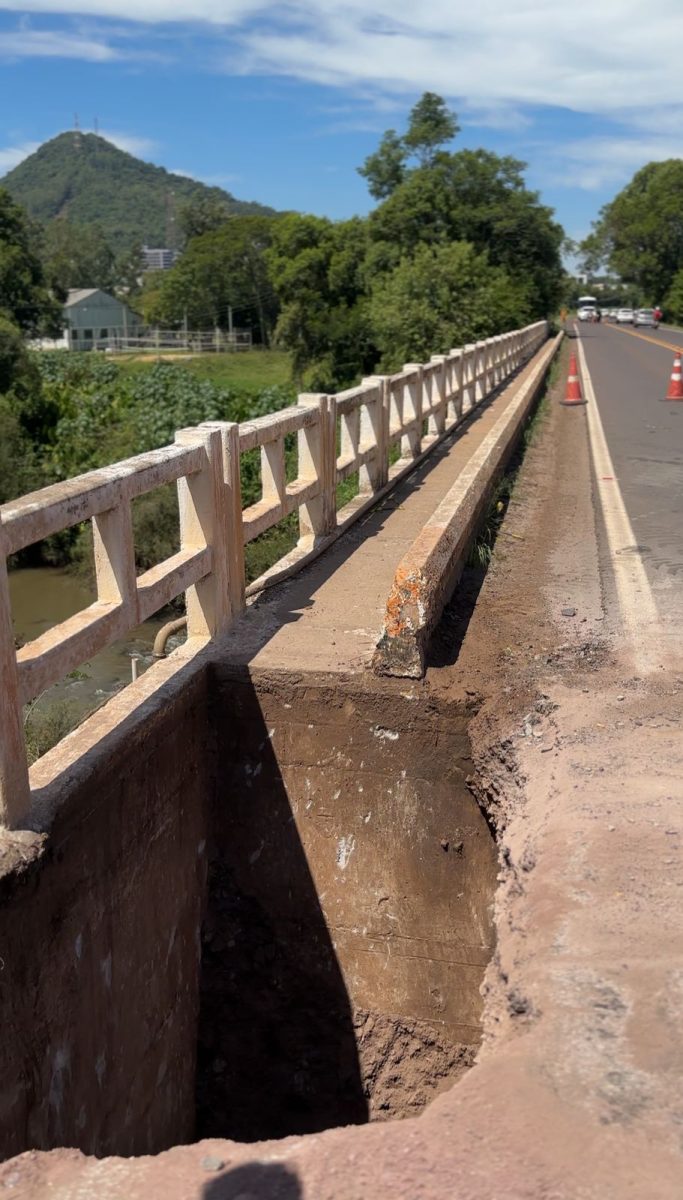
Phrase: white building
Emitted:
{"points": [[158, 258], [92, 316]]}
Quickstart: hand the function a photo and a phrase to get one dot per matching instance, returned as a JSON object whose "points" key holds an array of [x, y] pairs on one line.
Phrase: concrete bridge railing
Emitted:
{"points": [[358, 430]]}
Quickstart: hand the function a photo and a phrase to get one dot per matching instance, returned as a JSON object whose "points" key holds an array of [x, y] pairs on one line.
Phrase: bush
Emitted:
{"points": [[442, 296]]}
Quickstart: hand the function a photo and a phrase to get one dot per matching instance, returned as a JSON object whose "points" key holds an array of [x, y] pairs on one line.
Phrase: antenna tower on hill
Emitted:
{"points": [[77, 133]]}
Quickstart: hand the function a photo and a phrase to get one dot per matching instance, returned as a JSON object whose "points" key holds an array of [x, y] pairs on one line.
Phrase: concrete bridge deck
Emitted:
{"points": [[330, 615]]}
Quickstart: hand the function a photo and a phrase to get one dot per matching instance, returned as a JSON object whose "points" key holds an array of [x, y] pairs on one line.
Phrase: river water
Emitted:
{"points": [[42, 597]]}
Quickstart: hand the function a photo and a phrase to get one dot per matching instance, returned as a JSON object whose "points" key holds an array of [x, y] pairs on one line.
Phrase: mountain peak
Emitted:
{"points": [[84, 178]]}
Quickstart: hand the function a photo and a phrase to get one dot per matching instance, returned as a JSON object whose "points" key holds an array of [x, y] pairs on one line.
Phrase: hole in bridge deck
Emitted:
{"points": [[348, 923]]}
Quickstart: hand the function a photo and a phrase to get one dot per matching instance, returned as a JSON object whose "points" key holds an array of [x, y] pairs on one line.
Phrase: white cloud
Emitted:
{"points": [[492, 57], [130, 142], [37, 43], [11, 156], [596, 162]]}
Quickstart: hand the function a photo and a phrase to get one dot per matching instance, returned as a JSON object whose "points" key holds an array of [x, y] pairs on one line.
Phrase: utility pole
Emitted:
{"points": [[230, 337], [185, 337]]}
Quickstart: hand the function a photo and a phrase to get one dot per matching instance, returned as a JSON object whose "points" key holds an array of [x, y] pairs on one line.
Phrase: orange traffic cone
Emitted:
{"points": [[675, 391], [573, 395]]}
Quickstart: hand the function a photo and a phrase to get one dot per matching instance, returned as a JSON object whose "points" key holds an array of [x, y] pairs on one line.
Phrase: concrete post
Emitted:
{"points": [[374, 428], [15, 792], [470, 368], [317, 451], [437, 419], [479, 371], [457, 372], [202, 503], [411, 442], [232, 506]]}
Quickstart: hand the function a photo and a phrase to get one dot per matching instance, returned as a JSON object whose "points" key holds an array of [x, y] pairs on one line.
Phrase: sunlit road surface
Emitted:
{"points": [[630, 371]]}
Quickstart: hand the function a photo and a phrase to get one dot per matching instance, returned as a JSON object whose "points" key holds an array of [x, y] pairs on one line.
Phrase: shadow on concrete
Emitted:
{"points": [[254, 1181], [276, 1048], [447, 639]]}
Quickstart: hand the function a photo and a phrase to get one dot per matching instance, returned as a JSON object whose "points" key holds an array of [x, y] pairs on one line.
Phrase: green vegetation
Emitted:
{"points": [[457, 249], [26, 308], [222, 276], [639, 235], [250, 370], [86, 180], [93, 411]]}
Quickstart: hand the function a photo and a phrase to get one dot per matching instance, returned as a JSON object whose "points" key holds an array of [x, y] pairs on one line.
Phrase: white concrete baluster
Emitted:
{"points": [[202, 503], [317, 451]]}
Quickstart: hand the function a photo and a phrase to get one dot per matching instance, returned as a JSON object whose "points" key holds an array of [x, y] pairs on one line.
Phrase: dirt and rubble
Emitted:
{"points": [[575, 1094]]}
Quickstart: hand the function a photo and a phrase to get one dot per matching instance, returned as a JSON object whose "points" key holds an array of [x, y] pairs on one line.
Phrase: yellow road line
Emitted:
{"points": [[646, 338]]}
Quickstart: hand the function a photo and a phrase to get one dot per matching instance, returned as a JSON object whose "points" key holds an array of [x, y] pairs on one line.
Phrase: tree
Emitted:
{"points": [[386, 168], [673, 301], [431, 124], [25, 299], [78, 256], [640, 233], [204, 214], [442, 296], [222, 270], [481, 198], [316, 268], [129, 270]]}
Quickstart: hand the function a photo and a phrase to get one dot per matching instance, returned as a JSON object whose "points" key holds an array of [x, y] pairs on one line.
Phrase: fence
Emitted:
{"points": [[161, 341], [356, 431]]}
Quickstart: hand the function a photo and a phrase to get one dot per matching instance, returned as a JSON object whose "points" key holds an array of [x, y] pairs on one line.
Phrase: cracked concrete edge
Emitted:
{"points": [[429, 571]]}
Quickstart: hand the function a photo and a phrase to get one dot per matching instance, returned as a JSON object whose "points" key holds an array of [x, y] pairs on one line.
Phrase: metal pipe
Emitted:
{"points": [[165, 633]]}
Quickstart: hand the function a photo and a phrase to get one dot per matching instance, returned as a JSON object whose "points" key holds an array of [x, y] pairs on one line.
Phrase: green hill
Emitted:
{"points": [[86, 179]]}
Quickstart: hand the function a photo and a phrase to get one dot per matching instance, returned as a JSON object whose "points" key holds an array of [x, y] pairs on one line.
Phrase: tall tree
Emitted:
{"points": [[639, 234], [317, 269], [25, 298], [221, 271], [430, 125]]}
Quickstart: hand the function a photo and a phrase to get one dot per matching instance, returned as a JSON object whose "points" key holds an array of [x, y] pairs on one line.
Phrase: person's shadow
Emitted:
{"points": [[254, 1181]]}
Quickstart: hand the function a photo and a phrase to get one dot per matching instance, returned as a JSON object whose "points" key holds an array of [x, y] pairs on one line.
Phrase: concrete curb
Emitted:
{"points": [[428, 573]]}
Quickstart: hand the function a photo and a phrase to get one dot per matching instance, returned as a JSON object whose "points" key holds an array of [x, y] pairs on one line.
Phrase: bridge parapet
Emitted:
{"points": [[359, 430]]}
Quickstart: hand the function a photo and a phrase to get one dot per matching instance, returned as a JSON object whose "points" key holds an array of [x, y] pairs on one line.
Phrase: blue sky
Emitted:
{"points": [[280, 103]]}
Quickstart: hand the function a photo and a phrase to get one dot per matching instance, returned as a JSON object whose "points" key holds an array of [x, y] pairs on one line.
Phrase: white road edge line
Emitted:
{"points": [[635, 596]]}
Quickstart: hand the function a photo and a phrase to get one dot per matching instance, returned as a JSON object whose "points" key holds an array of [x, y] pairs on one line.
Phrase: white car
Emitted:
{"points": [[625, 316], [646, 316], [587, 313]]}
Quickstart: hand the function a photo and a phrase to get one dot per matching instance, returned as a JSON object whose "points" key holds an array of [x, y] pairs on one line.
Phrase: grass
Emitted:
{"points": [[481, 550], [250, 369]]}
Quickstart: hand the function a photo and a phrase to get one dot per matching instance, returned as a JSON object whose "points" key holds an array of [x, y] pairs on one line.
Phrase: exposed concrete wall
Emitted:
{"points": [[347, 931], [99, 941], [349, 915]]}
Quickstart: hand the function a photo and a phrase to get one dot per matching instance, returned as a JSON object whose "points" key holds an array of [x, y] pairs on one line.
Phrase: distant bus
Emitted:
{"points": [[587, 309]]}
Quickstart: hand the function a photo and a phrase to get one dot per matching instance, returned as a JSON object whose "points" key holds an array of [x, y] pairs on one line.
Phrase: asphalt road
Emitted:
{"points": [[630, 371]]}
